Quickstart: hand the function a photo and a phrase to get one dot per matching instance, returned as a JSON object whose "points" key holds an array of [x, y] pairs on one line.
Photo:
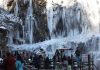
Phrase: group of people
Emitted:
{"points": [[67, 61], [11, 62], [19, 61], [41, 62], [62, 62]]}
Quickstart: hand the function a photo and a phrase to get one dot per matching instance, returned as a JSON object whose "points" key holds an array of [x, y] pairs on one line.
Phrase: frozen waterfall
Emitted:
{"points": [[69, 22], [30, 24], [16, 10]]}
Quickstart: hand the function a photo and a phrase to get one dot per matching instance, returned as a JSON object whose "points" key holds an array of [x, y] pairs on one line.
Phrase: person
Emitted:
{"points": [[78, 56], [77, 52], [69, 62], [19, 63], [37, 61], [9, 62], [47, 63], [65, 62]]}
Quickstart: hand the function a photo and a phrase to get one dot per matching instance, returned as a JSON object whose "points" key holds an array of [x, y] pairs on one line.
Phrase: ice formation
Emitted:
{"points": [[79, 20]]}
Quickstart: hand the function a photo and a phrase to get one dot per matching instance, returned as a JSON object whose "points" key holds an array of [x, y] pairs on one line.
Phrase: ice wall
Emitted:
{"points": [[67, 20], [78, 16], [1, 3], [30, 23]]}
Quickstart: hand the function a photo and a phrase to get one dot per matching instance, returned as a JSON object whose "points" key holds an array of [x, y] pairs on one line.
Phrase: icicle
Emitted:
{"points": [[16, 9], [30, 23], [17, 35], [2, 3], [50, 16], [10, 38]]}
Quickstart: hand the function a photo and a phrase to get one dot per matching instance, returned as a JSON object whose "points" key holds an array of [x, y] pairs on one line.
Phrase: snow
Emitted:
{"points": [[1, 59], [2, 27], [8, 20], [54, 44], [61, 41]]}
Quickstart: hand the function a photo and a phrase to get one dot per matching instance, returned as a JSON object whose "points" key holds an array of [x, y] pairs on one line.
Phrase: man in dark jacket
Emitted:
{"points": [[47, 63], [78, 56], [37, 61]]}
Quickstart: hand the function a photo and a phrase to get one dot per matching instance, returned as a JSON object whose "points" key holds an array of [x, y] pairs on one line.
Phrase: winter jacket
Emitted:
{"points": [[9, 63], [19, 65]]}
